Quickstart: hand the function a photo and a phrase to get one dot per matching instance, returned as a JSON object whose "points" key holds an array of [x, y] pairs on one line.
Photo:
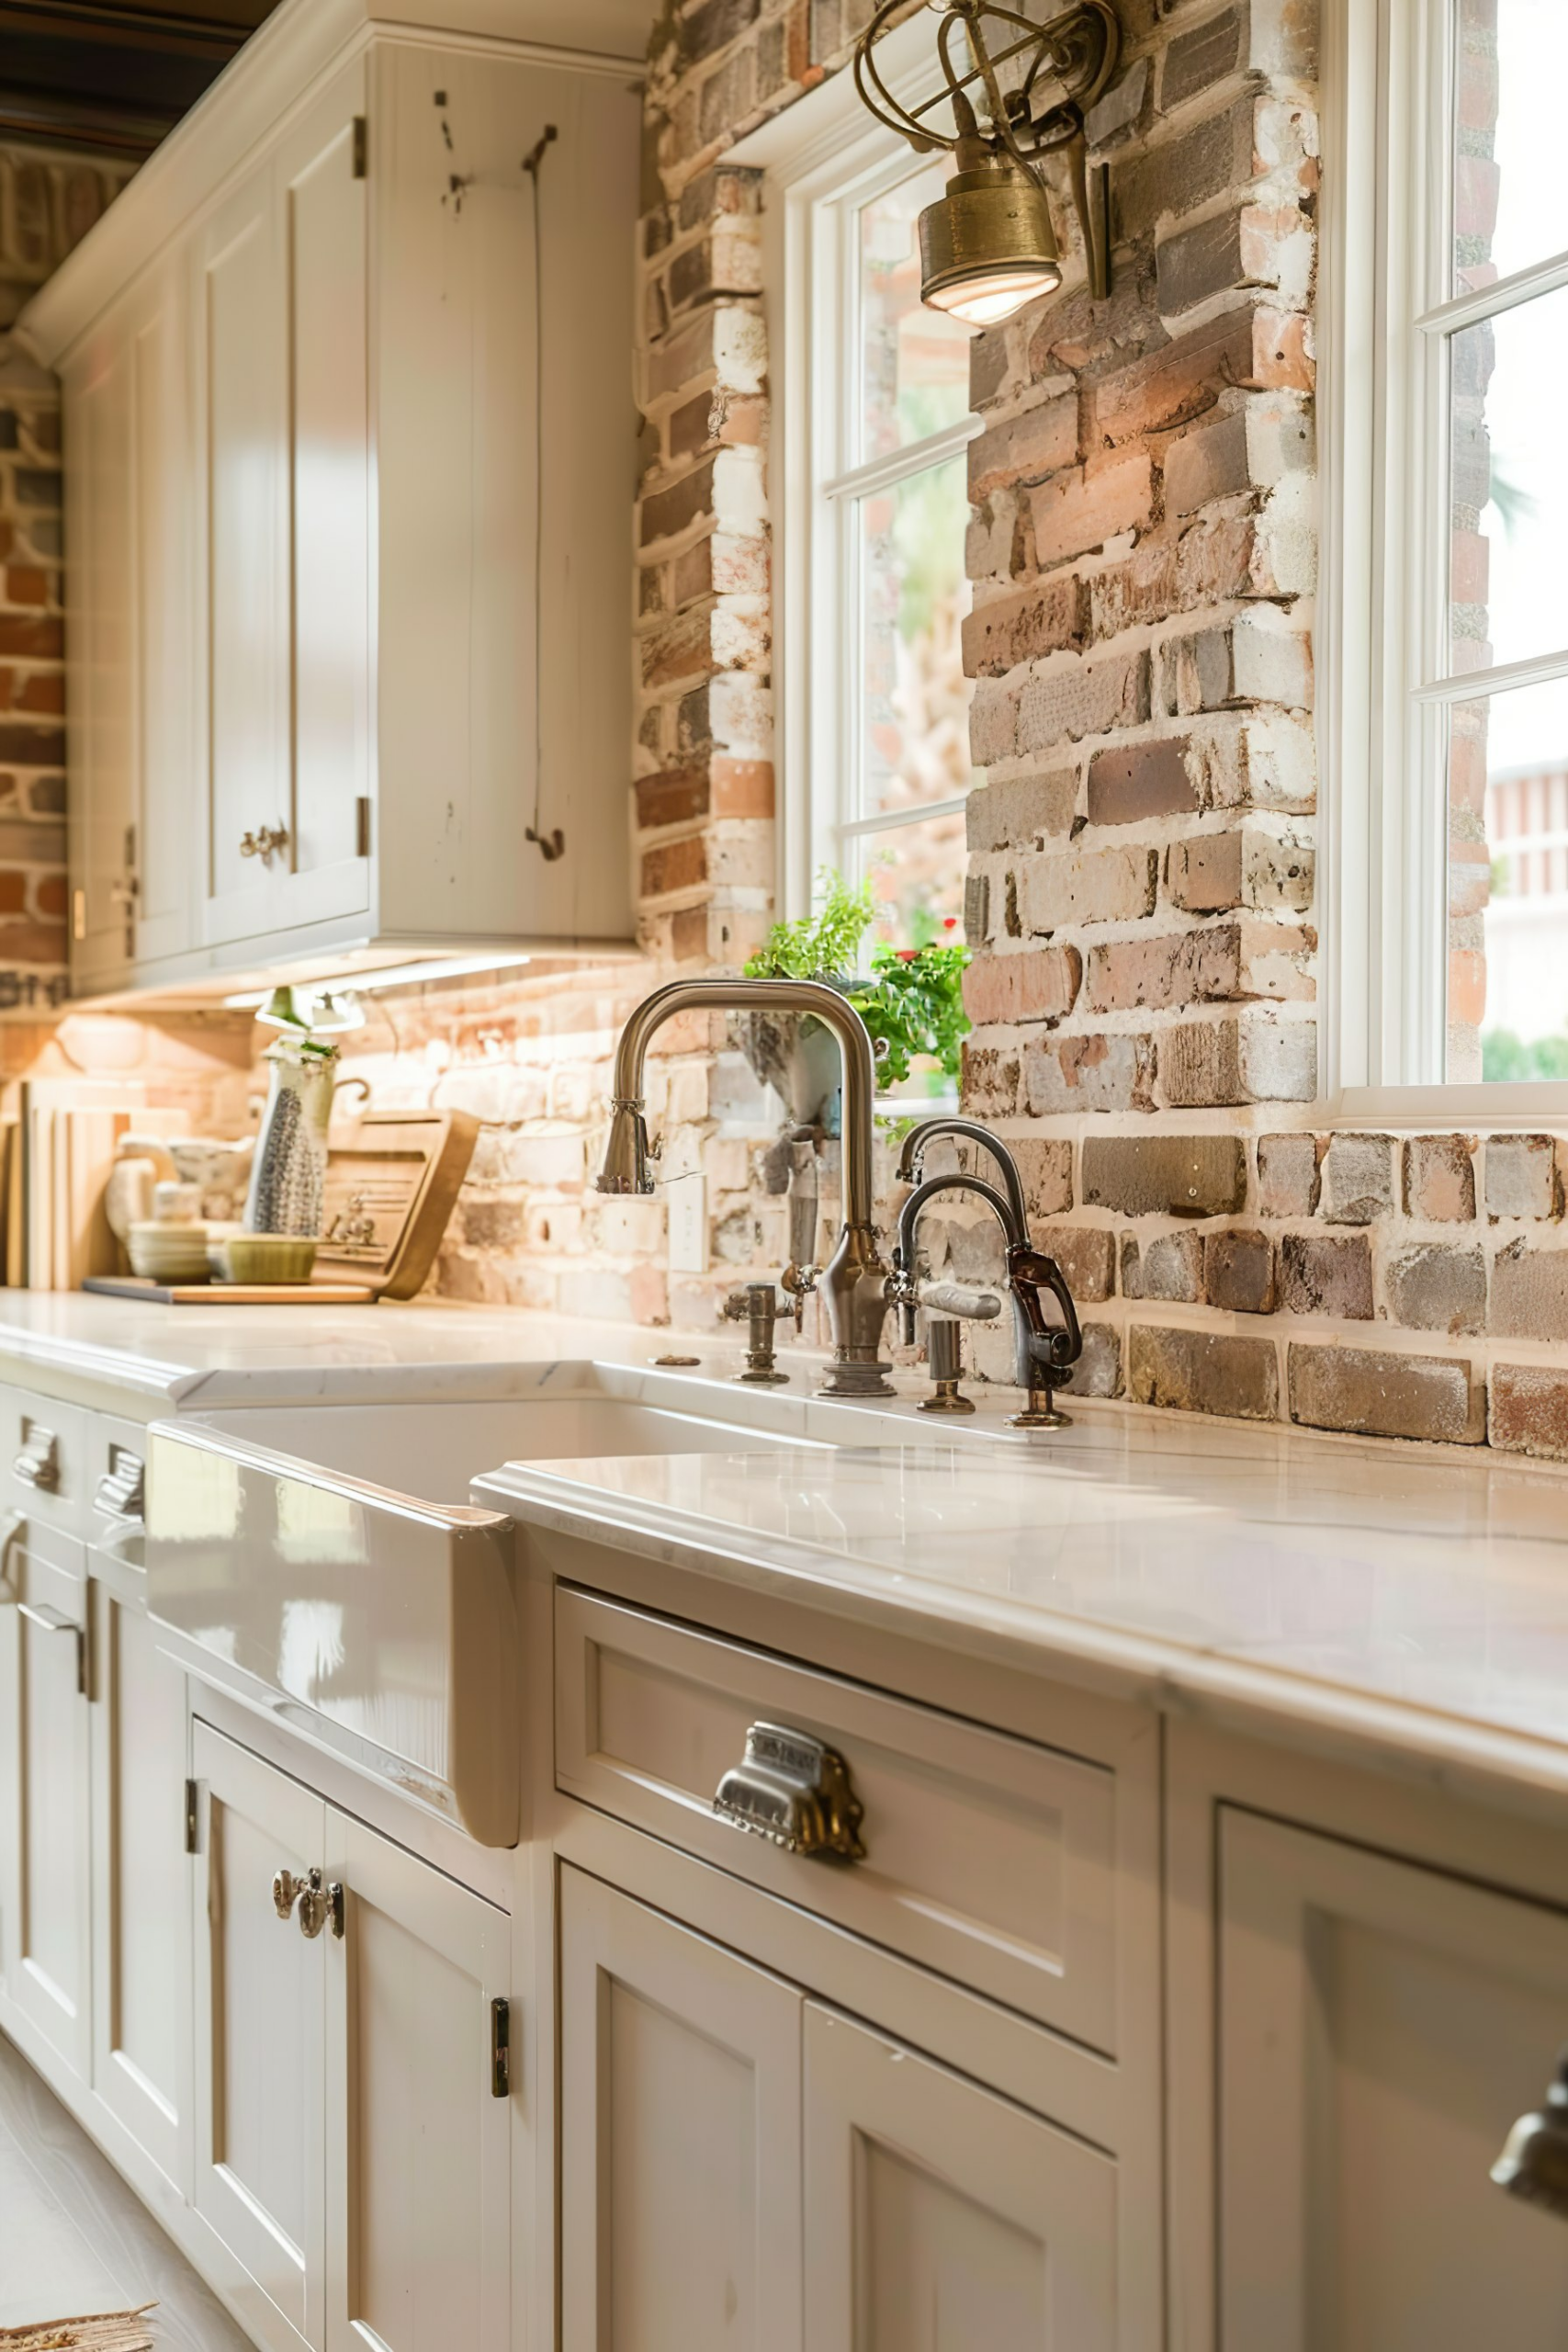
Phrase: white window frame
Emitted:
{"points": [[823, 158], [1386, 308]]}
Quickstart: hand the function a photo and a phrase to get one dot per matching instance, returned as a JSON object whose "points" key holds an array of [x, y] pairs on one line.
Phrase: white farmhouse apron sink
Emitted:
{"points": [[328, 1565]]}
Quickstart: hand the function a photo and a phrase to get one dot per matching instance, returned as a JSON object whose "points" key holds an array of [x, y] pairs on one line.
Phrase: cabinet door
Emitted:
{"points": [[1380, 2027], [322, 192], [418, 2130], [260, 2097], [142, 1888], [44, 1666], [939, 2218], [680, 2094], [244, 354]]}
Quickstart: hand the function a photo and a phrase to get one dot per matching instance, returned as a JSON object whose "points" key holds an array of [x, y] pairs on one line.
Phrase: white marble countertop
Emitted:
{"points": [[1402, 1602]]}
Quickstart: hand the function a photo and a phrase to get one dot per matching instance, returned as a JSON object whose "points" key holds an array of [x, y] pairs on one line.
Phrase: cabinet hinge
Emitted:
{"points": [[361, 148], [78, 914], [362, 827], [193, 1817], [500, 2049]]}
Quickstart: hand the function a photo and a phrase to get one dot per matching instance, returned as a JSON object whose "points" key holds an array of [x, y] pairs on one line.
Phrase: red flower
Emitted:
{"points": [[908, 955], [950, 922]]}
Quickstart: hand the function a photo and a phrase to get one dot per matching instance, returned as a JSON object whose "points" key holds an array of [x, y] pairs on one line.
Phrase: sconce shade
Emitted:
{"points": [[987, 246]]}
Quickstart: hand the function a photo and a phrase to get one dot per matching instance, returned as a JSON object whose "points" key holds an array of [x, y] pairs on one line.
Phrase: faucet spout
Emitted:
{"points": [[854, 1283]]}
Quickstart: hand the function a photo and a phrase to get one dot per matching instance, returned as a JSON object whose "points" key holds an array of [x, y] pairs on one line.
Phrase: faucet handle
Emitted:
{"points": [[799, 1282], [1053, 1345]]}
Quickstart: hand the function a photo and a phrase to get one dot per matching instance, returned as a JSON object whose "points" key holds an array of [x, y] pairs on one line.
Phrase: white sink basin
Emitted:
{"points": [[329, 1564]]}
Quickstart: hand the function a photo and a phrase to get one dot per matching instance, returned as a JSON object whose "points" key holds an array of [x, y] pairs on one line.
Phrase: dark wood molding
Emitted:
{"points": [[112, 74]]}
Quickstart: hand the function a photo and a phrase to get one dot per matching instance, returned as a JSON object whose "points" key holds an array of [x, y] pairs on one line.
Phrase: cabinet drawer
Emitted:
{"points": [[43, 1460], [988, 1858]]}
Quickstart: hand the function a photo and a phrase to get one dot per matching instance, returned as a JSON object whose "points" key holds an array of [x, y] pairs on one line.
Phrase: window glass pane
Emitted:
{"points": [[1509, 886], [916, 362], [914, 595], [917, 873], [1510, 191], [1509, 486]]}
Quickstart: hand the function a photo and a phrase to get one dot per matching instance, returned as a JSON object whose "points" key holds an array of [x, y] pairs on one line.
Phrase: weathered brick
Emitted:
{"points": [[993, 723], [1194, 265], [1113, 114], [1177, 967], [1203, 874], [1203, 1372], [674, 865], [1529, 1411], [1209, 561], [1082, 509], [1180, 173], [1087, 1255], [1048, 616], [1249, 1059], [1432, 1287], [1172, 1269], [667, 513], [1529, 1293], [1090, 886], [1063, 702], [1099, 1073], [1523, 1178], [1041, 984], [1134, 782], [1172, 385], [1020, 812], [1164, 1175], [1377, 1395], [1288, 1183], [1238, 1272], [1098, 1372], [1357, 1179], [674, 796], [1209, 463], [1197, 60], [1439, 1178], [1039, 441], [1322, 1274], [989, 1079]]}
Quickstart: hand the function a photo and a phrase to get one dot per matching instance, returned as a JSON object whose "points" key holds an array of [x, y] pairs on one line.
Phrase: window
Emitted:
{"points": [[869, 483], [1458, 977]]}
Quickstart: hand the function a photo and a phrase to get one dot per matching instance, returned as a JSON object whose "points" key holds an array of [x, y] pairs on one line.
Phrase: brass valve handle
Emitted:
{"points": [[266, 842], [795, 1791]]}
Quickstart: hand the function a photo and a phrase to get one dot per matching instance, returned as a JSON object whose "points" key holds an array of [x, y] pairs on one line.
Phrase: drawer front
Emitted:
{"points": [[986, 1858], [44, 1460]]}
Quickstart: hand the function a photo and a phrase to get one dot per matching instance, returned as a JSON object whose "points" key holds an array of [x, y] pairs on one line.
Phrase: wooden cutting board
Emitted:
{"points": [[232, 1294]]}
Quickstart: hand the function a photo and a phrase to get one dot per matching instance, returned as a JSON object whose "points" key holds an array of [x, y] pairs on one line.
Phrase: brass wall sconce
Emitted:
{"points": [[988, 246]]}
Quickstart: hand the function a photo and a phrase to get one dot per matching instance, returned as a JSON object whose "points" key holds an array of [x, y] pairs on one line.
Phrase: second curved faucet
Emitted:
{"points": [[1043, 1353]]}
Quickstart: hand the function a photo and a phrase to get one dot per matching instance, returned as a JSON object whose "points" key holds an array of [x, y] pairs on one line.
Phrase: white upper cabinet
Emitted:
{"points": [[348, 465]]}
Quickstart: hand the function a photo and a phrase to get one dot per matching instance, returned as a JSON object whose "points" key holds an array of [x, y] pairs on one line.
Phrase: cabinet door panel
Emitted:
{"points": [[164, 846], [939, 2218], [259, 2098], [324, 230], [140, 1883], [419, 2147], [680, 2138], [47, 1728], [1381, 2026], [245, 423]]}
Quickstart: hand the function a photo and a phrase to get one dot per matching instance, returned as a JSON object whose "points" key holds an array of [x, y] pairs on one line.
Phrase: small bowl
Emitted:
{"points": [[168, 1253], [262, 1258]]}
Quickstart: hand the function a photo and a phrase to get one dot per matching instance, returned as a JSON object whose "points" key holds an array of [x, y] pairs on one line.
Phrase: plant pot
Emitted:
{"points": [[798, 1057]]}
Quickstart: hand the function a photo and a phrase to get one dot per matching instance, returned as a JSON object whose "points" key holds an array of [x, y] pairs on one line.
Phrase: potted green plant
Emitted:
{"points": [[911, 1000]]}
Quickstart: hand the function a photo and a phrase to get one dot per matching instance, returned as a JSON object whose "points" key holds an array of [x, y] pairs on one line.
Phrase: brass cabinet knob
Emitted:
{"points": [[319, 1901], [795, 1791], [266, 842]]}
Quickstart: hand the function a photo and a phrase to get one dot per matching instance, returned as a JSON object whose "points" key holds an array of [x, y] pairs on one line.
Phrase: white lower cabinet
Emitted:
{"points": [[353, 2139], [746, 2170], [140, 1936], [45, 1894], [1380, 2027]]}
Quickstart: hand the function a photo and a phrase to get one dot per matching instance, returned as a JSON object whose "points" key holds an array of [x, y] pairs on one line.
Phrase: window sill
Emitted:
{"points": [[1518, 1106]]}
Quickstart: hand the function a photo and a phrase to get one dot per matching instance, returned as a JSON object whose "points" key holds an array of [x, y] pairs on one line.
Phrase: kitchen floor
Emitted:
{"points": [[73, 2238]]}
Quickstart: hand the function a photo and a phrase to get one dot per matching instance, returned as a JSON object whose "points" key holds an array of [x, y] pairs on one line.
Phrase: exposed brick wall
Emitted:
{"points": [[48, 202]]}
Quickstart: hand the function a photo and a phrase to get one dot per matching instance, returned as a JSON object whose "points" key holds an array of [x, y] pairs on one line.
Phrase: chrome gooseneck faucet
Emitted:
{"points": [[1043, 1353], [854, 1283]]}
